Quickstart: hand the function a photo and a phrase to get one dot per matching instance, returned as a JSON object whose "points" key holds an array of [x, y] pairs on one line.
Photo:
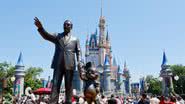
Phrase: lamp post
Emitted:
{"points": [[160, 78], [176, 77]]}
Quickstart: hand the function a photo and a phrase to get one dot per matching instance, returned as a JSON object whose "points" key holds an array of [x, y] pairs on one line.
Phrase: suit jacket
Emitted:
{"points": [[65, 50]]}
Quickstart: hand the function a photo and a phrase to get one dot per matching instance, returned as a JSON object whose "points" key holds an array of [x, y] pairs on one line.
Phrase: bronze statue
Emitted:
{"points": [[91, 85], [66, 46]]}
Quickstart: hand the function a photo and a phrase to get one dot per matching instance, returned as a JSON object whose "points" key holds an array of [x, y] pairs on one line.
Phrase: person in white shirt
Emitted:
{"points": [[154, 100], [32, 96]]}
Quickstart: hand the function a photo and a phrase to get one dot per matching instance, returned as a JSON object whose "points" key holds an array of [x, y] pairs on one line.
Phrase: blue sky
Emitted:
{"points": [[139, 30]]}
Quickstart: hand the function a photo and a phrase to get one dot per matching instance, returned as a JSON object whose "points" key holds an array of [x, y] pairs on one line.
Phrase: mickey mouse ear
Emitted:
{"points": [[88, 65]]}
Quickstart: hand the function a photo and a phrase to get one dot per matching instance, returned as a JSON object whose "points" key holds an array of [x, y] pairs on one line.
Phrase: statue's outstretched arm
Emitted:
{"points": [[43, 32]]}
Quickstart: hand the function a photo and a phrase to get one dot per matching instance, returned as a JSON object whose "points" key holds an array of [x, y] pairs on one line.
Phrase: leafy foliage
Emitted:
{"points": [[7, 99], [154, 85], [179, 70], [31, 77], [7, 71]]}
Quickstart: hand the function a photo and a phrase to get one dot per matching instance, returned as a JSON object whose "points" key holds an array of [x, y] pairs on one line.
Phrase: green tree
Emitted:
{"points": [[31, 79], [154, 85], [179, 70], [7, 71]]}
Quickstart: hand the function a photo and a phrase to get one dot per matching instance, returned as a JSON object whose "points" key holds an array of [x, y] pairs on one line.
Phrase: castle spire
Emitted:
{"points": [[125, 66], [20, 60], [108, 45], [102, 26], [107, 37], [87, 39], [102, 40], [164, 61], [164, 64], [114, 61], [19, 76]]}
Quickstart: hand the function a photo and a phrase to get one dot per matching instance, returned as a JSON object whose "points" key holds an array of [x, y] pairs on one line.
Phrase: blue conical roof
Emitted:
{"points": [[20, 60], [106, 62], [164, 61], [93, 38]]}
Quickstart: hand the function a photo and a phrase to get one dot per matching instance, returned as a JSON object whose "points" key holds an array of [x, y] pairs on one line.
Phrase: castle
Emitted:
{"points": [[113, 77]]}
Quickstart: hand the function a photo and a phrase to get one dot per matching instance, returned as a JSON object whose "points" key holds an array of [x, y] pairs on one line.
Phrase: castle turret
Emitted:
{"points": [[87, 46], [164, 64], [92, 52], [107, 76], [19, 75], [126, 74], [102, 40], [120, 81], [102, 31], [166, 74], [114, 68]]}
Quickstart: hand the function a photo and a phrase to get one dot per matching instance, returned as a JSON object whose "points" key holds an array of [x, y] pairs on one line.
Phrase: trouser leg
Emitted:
{"points": [[68, 85], [57, 79]]}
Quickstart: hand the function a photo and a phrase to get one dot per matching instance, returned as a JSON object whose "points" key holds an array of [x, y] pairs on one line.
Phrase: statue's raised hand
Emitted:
{"points": [[37, 23]]}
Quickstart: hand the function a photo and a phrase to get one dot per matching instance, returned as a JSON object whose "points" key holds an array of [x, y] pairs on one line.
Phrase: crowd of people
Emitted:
{"points": [[101, 99]]}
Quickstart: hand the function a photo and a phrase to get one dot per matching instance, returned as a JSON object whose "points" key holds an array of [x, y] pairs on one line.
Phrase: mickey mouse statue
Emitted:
{"points": [[91, 86]]}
